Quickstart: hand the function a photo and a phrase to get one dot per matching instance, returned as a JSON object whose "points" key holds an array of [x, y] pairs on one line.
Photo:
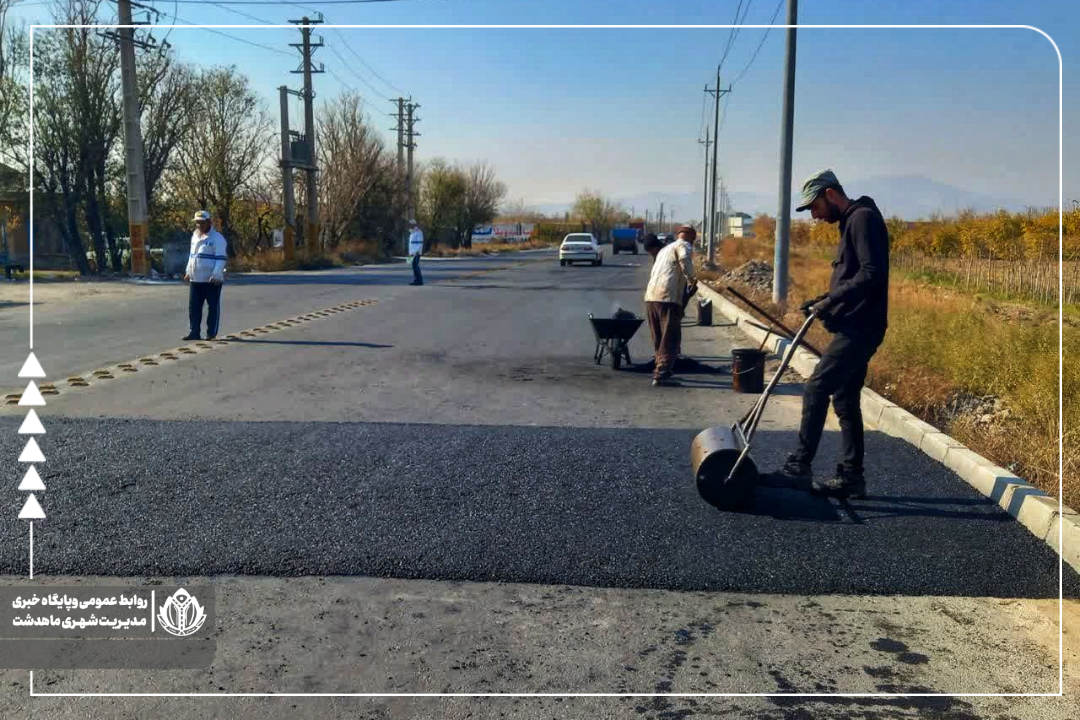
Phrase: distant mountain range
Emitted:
{"points": [[910, 197]]}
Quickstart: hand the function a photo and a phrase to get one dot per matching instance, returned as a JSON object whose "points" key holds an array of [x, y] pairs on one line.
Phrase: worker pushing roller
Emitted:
{"points": [[855, 310]]}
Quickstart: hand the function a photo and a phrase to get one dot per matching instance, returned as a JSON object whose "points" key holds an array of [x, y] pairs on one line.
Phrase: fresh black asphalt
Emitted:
{"points": [[579, 506]]}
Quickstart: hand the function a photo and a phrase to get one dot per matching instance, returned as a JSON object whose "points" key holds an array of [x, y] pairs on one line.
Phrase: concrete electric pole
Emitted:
{"points": [[783, 220], [287, 165], [138, 217], [717, 93], [307, 49], [410, 145], [707, 142], [400, 128]]}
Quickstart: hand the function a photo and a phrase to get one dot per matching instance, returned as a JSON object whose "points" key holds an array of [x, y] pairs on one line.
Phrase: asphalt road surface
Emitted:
{"points": [[438, 490]]}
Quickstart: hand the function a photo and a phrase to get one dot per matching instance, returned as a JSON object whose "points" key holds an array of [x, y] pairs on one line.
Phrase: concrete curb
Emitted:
{"points": [[1057, 525]]}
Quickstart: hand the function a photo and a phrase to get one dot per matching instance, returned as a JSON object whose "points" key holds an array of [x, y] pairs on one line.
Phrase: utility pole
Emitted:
{"points": [[705, 187], [660, 224], [138, 217], [400, 128], [288, 198], [783, 220], [307, 49], [716, 93], [411, 135], [722, 218]]}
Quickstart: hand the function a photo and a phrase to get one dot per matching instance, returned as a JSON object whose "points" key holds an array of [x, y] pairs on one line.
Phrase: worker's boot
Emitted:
{"points": [[845, 483]]}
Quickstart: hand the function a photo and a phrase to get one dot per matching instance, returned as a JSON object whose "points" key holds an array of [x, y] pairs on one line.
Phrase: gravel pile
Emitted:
{"points": [[757, 274]]}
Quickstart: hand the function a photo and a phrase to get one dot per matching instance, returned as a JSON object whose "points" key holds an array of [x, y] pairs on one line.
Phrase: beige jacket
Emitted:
{"points": [[672, 271]]}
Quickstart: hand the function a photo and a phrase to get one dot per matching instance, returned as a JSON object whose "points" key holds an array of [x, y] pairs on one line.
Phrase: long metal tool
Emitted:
{"points": [[748, 427], [760, 311]]}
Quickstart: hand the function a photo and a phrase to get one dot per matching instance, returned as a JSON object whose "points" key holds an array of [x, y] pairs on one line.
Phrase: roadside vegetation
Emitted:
{"points": [[980, 365]]}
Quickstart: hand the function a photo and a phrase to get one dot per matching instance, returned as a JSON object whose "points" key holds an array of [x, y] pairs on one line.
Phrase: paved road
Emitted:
{"points": [[439, 491]]}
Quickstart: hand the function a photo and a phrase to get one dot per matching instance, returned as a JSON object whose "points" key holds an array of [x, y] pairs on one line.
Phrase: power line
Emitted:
{"points": [[348, 87], [241, 13], [763, 39], [249, 16], [357, 75], [370, 69], [237, 39], [731, 35]]}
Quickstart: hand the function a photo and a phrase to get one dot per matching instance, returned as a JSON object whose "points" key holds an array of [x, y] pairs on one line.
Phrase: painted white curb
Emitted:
{"points": [[1036, 510]]}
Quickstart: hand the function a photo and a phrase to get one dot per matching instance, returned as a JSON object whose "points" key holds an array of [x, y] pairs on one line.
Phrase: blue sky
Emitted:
{"points": [[621, 110]]}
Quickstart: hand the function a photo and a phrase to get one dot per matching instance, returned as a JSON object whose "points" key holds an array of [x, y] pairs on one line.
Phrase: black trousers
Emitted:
{"points": [[417, 277], [211, 295], [839, 374]]}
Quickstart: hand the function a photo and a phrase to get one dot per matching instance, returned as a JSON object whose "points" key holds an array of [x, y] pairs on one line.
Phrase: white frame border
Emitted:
{"points": [[1061, 457]]}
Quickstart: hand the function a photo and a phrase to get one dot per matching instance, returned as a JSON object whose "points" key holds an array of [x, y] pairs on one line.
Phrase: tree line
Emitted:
{"points": [[208, 143], [1014, 254]]}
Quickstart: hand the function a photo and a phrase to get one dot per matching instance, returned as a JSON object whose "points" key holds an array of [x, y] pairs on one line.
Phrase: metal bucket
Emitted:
{"points": [[748, 370], [712, 456], [704, 312]]}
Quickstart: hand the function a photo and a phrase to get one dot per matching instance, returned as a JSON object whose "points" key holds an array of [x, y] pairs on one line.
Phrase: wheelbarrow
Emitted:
{"points": [[613, 338], [720, 456]]}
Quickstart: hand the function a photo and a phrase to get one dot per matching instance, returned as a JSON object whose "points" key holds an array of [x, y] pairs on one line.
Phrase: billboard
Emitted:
{"points": [[505, 232]]}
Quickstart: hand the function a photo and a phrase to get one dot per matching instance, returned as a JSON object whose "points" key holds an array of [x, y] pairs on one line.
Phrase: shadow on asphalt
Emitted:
{"points": [[805, 505], [309, 342]]}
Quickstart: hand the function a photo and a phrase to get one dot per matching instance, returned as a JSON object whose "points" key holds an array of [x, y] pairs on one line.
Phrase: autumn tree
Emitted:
{"points": [[222, 157], [598, 211]]}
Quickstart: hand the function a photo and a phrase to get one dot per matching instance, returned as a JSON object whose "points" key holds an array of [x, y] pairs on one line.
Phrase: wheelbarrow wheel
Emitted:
{"points": [[616, 361]]}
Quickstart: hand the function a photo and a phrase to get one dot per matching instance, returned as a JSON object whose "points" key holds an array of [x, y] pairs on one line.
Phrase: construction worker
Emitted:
{"points": [[855, 310], [666, 297], [206, 273], [416, 249]]}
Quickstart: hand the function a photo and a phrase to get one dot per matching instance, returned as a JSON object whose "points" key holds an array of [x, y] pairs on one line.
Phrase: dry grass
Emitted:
{"points": [[273, 260], [489, 249], [942, 341]]}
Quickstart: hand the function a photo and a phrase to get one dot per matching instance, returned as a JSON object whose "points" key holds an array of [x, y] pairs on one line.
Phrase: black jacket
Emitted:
{"points": [[859, 286]]}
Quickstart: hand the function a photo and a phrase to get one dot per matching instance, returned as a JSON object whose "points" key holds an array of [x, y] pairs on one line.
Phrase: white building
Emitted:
{"points": [[740, 225]]}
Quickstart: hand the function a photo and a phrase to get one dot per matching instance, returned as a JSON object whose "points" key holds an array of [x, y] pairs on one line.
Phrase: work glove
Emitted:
{"points": [[818, 306]]}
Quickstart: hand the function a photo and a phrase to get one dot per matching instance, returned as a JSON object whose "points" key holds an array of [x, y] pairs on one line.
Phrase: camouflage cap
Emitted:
{"points": [[814, 186]]}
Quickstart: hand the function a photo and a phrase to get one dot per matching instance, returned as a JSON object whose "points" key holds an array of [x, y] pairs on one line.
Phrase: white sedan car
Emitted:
{"points": [[580, 247]]}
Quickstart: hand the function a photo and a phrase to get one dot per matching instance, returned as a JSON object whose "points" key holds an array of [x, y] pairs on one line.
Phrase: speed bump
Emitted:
{"points": [[79, 381]]}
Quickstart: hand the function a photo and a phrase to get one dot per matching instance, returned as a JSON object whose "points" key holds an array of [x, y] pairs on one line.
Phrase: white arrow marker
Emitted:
{"points": [[32, 509], [31, 368], [32, 396], [32, 482], [32, 425], [32, 453]]}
